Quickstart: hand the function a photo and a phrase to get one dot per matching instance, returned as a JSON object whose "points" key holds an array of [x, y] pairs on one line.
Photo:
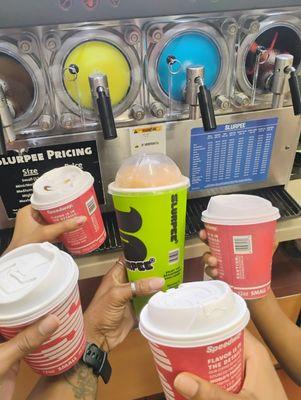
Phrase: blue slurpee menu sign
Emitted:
{"points": [[231, 154]]}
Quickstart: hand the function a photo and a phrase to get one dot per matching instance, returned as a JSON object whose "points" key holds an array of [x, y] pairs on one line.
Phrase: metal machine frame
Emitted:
{"points": [[45, 48]]}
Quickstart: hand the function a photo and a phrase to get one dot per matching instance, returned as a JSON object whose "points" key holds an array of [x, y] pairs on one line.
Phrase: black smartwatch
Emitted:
{"points": [[97, 359]]}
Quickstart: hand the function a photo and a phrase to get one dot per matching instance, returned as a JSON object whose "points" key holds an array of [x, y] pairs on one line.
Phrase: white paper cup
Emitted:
{"points": [[197, 328], [36, 280], [68, 192]]}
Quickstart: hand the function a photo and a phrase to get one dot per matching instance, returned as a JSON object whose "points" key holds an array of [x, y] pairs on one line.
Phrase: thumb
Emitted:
{"points": [[192, 387], [27, 341], [55, 230]]}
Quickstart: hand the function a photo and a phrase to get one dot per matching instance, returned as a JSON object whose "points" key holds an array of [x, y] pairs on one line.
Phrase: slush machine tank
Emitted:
{"points": [[182, 45], [94, 52], [24, 83], [261, 41]]}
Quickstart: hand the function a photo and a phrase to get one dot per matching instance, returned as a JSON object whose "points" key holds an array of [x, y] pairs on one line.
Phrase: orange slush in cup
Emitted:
{"points": [[148, 171], [241, 234], [65, 193], [150, 195]]}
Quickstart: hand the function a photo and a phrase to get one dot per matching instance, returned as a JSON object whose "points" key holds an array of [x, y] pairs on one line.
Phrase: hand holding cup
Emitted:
{"points": [[12, 351], [109, 317], [67, 192], [235, 225], [210, 261], [261, 381], [30, 227]]}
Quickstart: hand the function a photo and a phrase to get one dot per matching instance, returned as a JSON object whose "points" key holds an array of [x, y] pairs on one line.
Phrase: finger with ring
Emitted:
{"points": [[134, 289]]}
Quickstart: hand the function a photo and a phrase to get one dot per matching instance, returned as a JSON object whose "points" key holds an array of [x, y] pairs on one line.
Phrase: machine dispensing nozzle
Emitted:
{"points": [[101, 97], [285, 75], [7, 133], [197, 95]]}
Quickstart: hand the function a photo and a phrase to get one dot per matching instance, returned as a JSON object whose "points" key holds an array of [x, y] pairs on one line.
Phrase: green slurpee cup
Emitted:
{"points": [[150, 196]]}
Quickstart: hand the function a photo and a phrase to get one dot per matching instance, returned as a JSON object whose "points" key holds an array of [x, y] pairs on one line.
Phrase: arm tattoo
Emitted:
{"points": [[83, 382]]}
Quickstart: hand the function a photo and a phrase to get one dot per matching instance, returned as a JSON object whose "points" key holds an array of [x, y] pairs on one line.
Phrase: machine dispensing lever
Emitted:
{"points": [[206, 107], [101, 95], [197, 94], [295, 91], [284, 75]]}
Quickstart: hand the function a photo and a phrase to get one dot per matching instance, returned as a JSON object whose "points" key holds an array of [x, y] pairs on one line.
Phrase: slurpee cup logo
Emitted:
{"points": [[221, 346], [134, 248], [174, 219], [141, 265]]}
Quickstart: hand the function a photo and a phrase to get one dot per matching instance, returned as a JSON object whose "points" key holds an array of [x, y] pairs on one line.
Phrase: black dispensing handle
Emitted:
{"points": [[295, 92], [206, 108], [106, 115], [2, 140]]}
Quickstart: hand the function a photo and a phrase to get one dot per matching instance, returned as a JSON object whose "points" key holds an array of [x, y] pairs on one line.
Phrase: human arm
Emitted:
{"points": [[281, 335], [108, 320], [261, 380], [12, 351], [29, 228]]}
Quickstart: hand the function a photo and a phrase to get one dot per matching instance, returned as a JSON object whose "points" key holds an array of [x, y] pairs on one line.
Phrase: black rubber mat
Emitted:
{"points": [[288, 207]]}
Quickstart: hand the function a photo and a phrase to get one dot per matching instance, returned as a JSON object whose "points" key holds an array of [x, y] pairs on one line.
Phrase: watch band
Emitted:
{"points": [[97, 359]]}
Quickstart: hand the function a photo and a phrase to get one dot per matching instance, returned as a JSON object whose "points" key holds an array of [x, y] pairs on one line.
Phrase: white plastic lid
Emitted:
{"points": [[237, 209], [146, 172], [195, 314], [60, 186], [34, 279]]}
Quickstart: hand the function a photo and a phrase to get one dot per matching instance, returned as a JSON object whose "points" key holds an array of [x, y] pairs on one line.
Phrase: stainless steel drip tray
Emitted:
{"points": [[277, 195]]}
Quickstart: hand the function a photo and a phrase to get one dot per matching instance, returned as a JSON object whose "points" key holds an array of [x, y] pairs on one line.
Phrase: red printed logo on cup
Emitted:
{"points": [[91, 4], [221, 363]]}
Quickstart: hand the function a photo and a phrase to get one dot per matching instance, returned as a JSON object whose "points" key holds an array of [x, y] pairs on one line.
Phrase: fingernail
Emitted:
{"points": [[156, 283], [48, 325], [80, 220], [186, 385]]}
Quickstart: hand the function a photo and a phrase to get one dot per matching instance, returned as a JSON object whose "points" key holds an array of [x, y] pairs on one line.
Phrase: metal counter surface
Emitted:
{"points": [[98, 265]]}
